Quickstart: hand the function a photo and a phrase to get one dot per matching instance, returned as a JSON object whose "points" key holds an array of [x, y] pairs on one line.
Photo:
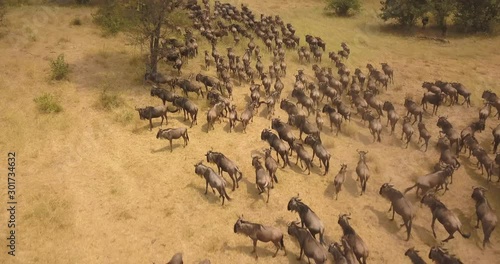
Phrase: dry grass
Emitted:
{"points": [[98, 187]]}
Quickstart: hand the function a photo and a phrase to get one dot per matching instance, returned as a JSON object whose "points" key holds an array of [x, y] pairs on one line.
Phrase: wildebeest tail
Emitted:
{"points": [[363, 188], [241, 174], [225, 194], [321, 239], [464, 235], [408, 189], [187, 136]]}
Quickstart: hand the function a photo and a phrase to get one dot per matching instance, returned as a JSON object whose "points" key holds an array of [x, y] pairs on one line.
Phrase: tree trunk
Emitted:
{"points": [[154, 45]]}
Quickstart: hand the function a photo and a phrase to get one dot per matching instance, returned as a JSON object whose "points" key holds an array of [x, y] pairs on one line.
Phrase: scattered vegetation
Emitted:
{"points": [[60, 69], [109, 101], [344, 7], [76, 22], [110, 17], [124, 117], [468, 15], [48, 103]]}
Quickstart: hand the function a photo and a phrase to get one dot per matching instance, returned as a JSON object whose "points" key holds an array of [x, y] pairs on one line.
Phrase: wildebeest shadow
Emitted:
{"points": [[251, 189], [424, 234], [210, 196], [351, 185], [365, 139], [384, 220], [166, 148], [156, 127], [264, 250]]}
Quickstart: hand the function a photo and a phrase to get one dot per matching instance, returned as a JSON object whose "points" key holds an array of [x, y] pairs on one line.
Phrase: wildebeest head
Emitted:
{"points": [[142, 112], [199, 168], [209, 156], [294, 203], [429, 198], [237, 225], [362, 154], [478, 193], [384, 188], [292, 227], [344, 220], [159, 133]]}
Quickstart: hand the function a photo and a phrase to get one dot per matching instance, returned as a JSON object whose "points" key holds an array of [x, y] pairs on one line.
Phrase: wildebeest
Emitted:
{"points": [[432, 180], [434, 99], [284, 132], [307, 217], [447, 158], [176, 259], [388, 71], [247, 115], [163, 94], [308, 245], [225, 164], [353, 239], [150, 112], [407, 130], [208, 81], [448, 130], [412, 253], [336, 251], [215, 180], [400, 205], [262, 179], [303, 100], [342, 108], [392, 116], [189, 108], [214, 114], [258, 232], [303, 155], [340, 179], [277, 144], [496, 138], [319, 150], [374, 125], [485, 214], [362, 170], [445, 216], [304, 126], [334, 117], [423, 134], [173, 133], [188, 86], [413, 109], [271, 164], [464, 92], [441, 256]]}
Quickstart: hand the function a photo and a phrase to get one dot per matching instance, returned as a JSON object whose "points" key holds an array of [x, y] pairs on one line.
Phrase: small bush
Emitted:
{"points": [[109, 101], [76, 22], [110, 17], [124, 117], [60, 69], [344, 7], [48, 103]]}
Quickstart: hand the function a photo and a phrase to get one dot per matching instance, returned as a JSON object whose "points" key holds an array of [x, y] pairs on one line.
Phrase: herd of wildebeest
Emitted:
{"points": [[343, 91]]}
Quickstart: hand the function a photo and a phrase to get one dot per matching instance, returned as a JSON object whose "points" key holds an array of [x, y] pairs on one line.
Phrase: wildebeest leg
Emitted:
{"points": [[432, 225], [232, 178], [170, 145], [268, 192], [255, 248], [477, 223], [449, 237], [300, 254], [150, 124], [206, 187]]}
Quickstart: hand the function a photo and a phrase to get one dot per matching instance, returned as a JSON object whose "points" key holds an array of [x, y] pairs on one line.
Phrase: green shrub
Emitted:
{"points": [[60, 69], [111, 18], [477, 15], [48, 103], [344, 7], [405, 12], [109, 101], [76, 22]]}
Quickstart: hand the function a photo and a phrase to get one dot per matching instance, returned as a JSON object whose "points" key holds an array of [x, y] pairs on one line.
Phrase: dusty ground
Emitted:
{"points": [[96, 186]]}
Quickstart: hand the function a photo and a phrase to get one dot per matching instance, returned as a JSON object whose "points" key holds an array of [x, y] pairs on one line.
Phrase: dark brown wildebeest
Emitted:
{"points": [[188, 86], [441, 256], [233, 117], [173, 133], [247, 115], [208, 81], [215, 180], [374, 102], [188, 107], [338, 255], [388, 71], [262, 179], [496, 138], [271, 164], [176, 259], [423, 134], [485, 112], [353, 239], [413, 109], [340, 179], [304, 126], [163, 94], [307, 217], [277, 144], [308, 245], [492, 99], [412, 253], [362, 170], [284, 132], [447, 158], [319, 150], [448, 130], [400, 205], [150, 112], [392, 116], [303, 155], [374, 125], [484, 213], [464, 92], [258, 232], [303, 100], [334, 117], [434, 99], [432, 180], [225, 164], [214, 114], [407, 130], [342, 108], [445, 216]]}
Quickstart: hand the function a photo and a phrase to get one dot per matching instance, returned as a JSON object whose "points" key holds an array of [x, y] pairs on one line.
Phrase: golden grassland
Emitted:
{"points": [[96, 186]]}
